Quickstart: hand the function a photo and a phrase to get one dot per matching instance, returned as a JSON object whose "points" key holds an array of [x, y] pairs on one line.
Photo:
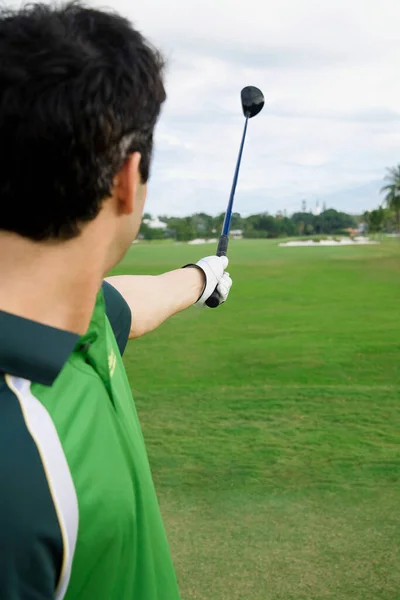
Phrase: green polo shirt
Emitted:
{"points": [[79, 517]]}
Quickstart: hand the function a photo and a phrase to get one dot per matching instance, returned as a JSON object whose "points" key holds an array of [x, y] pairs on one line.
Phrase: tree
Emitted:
{"points": [[182, 228], [203, 224], [262, 225], [309, 229], [237, 221], [303, 218], [149, 233], [392, 192], [375, 220], [218, 222], [331, 221], [288, 227]]}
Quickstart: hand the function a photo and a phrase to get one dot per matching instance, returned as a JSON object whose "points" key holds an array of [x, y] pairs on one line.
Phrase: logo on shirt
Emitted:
{"points": [[112, 362]]}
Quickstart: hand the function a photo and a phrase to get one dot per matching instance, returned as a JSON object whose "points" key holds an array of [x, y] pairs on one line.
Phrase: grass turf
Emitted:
{"points": [[272, 423]]}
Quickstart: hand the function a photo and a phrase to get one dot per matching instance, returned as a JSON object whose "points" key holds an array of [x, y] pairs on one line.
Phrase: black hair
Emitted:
{"points": [[80, 90]]}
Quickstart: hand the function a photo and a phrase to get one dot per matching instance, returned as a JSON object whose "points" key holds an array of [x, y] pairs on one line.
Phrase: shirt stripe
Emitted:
{"points": [[61, 485]]}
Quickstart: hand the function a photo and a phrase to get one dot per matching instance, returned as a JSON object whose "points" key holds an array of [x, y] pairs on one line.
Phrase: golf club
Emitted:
{"points": [[252, 103]]}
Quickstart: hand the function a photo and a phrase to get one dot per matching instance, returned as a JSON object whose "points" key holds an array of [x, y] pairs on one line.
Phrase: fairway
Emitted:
{"points": [[273, 423]]}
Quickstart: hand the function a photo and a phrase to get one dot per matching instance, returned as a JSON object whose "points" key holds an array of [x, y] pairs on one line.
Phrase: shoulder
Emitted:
{"points": [[118, 313], [31, 545]]}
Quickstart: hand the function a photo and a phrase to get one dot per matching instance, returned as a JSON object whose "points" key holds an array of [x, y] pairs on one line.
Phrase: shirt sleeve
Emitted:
{"points": [[118, 313], [31, 547]]}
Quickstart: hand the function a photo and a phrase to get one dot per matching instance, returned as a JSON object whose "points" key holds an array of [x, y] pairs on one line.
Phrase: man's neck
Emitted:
{"points": [[54, 284]]}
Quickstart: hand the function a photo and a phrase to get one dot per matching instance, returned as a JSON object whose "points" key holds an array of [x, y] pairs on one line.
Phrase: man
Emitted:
{"points": [[80, 94]]}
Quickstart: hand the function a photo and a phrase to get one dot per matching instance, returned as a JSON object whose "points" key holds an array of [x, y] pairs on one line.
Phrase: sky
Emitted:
{"points": [[330, 73]]}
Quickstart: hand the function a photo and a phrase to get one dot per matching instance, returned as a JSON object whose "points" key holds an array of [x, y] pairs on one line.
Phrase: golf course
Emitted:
{"points": [[273, 422]]}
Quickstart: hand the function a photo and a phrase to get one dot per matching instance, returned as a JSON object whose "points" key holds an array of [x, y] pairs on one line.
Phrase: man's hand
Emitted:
{"points": [[213, 268]]}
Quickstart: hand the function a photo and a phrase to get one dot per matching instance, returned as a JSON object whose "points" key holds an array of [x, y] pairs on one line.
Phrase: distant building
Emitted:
{"points": [[236, 234], [155, 223]]}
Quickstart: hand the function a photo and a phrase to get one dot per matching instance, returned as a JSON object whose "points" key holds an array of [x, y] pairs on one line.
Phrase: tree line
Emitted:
{"points": [[262, 225], [385, 218]]}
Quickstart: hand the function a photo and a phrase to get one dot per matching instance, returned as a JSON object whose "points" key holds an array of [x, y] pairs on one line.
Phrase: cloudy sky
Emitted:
{"points": [[330, 71]]}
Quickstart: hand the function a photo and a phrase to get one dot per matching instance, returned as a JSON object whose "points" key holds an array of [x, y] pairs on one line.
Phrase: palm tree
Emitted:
{"points": [[392, 192]]}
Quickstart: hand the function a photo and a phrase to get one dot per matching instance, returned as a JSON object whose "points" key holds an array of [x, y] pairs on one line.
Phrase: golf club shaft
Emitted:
{"points": [[224, 240], [214, 300]]}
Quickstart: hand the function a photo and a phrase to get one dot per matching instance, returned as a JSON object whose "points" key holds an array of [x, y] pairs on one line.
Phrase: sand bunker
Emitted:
{"points": [[201, 241], [330, 242]]}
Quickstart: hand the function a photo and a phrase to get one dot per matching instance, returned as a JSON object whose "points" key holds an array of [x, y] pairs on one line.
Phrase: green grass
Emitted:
{"points": [[273, 423]]}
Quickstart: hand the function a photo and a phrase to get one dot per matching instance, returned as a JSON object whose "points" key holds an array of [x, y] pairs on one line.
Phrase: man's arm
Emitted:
{"points": [[153, 299]]}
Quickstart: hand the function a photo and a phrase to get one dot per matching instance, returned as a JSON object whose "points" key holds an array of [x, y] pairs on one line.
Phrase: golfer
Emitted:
{"points": [[80, 94]]}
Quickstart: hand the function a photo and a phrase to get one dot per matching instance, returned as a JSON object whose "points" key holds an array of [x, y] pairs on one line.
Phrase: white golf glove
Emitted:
{"points": [[216, 278]]}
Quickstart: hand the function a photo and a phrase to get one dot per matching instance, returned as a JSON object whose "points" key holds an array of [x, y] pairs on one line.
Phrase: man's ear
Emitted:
{"points": [[126, 184]]}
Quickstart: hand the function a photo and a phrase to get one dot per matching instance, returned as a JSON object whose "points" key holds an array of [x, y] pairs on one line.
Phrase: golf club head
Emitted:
{"points": [[252, 101]]}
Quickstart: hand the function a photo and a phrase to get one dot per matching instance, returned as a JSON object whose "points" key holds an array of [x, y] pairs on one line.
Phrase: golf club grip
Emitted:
{"points": [[214, 300], [223, 245]]}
